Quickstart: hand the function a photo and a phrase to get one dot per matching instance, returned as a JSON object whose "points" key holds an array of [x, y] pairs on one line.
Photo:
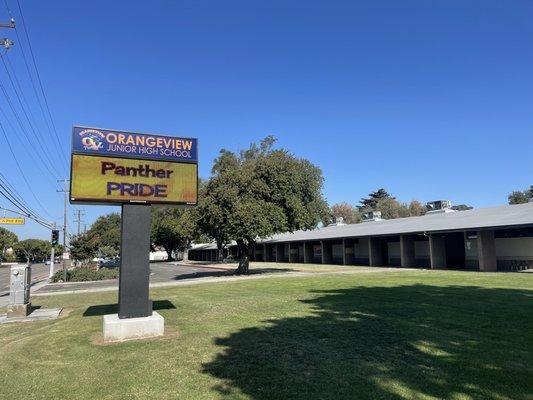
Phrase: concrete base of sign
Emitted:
{"points": [[18, 310], [39, 314], [116, 329]]}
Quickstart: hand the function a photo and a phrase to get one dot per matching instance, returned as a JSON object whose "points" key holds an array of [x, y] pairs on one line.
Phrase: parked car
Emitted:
{"points": [[110, 263]]}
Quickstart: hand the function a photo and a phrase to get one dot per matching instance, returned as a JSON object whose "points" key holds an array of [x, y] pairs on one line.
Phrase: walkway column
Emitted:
{"points": [[280, 250], [308, 253], [266, 253], [293, 253], [375, 253], [347, 251], [437, 252], [486, 251], [326, 252], [407, 251]]}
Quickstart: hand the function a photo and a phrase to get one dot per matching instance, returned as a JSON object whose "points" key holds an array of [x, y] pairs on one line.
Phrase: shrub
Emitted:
{"points": [[83, 274]]}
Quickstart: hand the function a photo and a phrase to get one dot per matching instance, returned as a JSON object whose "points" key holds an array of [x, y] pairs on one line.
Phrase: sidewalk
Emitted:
{"points": [[109, 286]]}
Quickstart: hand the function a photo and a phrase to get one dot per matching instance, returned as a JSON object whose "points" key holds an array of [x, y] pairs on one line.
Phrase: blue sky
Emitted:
{"points": [[429, 99]]}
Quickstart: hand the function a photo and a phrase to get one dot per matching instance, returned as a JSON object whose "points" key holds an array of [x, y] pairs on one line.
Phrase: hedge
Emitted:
{"points": [[82, 274]]}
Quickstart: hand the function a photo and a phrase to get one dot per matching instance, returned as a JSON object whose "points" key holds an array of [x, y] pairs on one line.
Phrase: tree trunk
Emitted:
{"points": [[244, 259], [169, 254], [220, 253], [244, 265]]}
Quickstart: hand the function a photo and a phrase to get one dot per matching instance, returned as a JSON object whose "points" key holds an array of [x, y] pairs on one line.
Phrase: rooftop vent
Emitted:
{"points": [[337, 221], [439, 206], [372, 216]]}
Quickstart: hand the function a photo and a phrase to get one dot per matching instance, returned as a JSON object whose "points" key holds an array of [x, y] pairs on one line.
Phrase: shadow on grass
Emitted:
{"points": [[104, 309], [211, 274], [407, 342]]}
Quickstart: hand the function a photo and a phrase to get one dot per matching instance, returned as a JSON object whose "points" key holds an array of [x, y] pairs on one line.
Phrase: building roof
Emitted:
{"points": [[481, 218]]}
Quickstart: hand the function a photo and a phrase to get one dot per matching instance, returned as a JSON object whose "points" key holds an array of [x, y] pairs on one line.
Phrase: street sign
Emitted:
{"points": [[12, 221], [116, 167]]}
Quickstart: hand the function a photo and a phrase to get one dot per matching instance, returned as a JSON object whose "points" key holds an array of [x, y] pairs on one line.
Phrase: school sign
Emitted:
{"points": [[109, 166]]}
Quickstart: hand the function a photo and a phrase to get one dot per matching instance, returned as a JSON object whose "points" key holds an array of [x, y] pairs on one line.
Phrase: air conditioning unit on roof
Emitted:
{"points": [[372, 216], [439, 206]]}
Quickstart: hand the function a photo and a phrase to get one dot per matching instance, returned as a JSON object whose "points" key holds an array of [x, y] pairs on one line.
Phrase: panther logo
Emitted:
{"points": [[91, 139]]}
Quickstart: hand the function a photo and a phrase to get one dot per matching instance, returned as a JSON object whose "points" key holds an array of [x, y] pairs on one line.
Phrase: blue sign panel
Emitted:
{"points": [[105, 142]]}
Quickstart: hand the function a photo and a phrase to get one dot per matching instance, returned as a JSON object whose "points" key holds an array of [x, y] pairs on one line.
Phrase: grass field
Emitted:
{"points": [[390, 335]]}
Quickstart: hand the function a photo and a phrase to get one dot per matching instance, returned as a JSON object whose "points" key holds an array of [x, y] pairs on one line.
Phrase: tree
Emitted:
{"points": [[370, 203], [416, 209], [521, 197], [212, 219], [107, 252], [7, 240], [391, 208], [31, 250], [173, 229], [82, 248], [105, 232], [349, 213], [267, 191]]}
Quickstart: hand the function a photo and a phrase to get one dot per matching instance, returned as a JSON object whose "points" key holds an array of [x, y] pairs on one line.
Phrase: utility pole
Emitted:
{"points": [[79, 214], [66, 192]]}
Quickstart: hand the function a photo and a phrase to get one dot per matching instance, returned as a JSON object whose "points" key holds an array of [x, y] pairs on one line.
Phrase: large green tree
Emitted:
{"points": [[7, 240], [212, 219], [104, 234], [31, 250], [173, 229], [266, 191], [82, 248]]}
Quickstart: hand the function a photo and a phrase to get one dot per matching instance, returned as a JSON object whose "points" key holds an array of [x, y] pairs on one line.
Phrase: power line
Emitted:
{"points": [[16, 194], [9, 197], [38, 77], [23, 108], [21, 125], [16, 199], [25, 145], [21, 171], [43, 223], [35, 91]]}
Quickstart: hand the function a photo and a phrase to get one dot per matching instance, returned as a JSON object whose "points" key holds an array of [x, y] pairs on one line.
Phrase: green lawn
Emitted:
{"points": [[390, 335]]}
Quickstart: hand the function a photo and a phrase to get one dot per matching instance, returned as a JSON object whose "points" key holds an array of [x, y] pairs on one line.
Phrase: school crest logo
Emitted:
{"points": [[92, 139]]}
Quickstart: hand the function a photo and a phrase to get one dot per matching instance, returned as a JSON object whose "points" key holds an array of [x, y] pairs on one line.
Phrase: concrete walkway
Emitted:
{"points": [[90, 287]]}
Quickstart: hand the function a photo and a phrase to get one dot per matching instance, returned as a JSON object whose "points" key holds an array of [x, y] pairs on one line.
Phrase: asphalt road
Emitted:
{"points": [[159, 272], [38, 273]]}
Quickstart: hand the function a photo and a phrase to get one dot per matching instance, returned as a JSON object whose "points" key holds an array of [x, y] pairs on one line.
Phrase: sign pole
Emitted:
{"points": [[134, 278]]}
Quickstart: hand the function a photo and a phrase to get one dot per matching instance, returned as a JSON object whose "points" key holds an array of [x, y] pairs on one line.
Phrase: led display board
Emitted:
{"points": [[122, 180], [122, 167]]}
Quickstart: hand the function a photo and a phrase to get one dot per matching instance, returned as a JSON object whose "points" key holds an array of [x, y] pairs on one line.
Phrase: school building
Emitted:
{"points": [[485, 239]]}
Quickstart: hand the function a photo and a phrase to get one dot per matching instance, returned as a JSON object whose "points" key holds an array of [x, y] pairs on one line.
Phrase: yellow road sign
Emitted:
{"points": [[12, 221]]}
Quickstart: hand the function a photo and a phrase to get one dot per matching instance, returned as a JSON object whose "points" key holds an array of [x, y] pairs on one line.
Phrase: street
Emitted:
{"points": [[159, 272], [38, 273]]}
